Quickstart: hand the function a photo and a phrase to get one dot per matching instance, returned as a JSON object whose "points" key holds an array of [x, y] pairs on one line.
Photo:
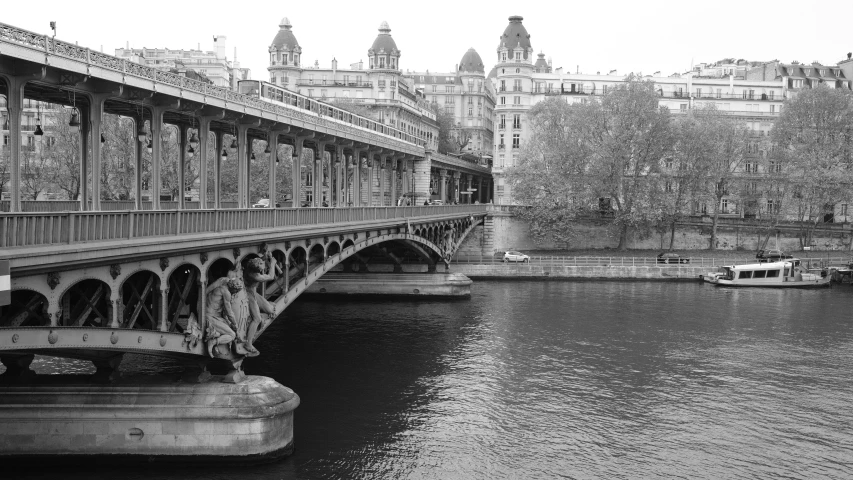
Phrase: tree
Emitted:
{"points": [[550, 173], [4, 169], [627, 135], [64, 152], [726, 140], [36, 172], [118, 154], [600, 157], [814, 135], [446, 124]]}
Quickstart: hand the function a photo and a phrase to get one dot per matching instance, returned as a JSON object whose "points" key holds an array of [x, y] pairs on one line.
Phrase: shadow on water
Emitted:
{"points": [[356, 365]]}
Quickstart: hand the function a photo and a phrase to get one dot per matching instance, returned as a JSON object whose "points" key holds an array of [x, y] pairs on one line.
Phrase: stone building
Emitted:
{"points": [[211, 65], [379, 86], [522, 81], [469, 98]]}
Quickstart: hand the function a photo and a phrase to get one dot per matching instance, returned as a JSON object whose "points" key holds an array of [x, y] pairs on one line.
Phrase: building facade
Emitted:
{"points": [[377, 89], [212, 66], [469, 98], [522, 81]]}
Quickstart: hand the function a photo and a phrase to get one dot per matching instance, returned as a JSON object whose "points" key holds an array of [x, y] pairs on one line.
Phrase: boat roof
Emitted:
{"points": [[764, 265]]}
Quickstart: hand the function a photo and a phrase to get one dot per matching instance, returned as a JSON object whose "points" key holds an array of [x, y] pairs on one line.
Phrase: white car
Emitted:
{"points": [[516, 257], [264, 203]]}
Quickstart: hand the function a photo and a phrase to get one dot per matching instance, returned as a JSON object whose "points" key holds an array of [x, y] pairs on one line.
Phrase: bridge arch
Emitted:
{"points": [[140, 296], [28, 308], [86, 303], [184, 296]]}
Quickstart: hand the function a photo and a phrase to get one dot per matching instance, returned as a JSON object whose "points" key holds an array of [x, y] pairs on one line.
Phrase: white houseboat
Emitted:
{"points": [[783, 274]]}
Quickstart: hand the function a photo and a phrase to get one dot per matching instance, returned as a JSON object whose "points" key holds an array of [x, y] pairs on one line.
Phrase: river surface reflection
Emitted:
{"points": [[564, 380]]}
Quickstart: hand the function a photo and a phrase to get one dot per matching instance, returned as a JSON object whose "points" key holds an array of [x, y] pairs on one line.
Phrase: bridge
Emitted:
{"points": [[93, 279]]}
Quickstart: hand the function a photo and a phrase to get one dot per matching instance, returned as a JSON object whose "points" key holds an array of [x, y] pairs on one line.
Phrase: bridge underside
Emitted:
{"points": [[151, 306]]}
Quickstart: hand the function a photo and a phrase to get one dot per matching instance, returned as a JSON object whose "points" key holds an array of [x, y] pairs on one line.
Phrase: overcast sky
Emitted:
{"points": [[630, 36]]}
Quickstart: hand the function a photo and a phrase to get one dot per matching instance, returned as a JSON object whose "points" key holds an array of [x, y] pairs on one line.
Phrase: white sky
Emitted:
{"points": [[639, 36]]}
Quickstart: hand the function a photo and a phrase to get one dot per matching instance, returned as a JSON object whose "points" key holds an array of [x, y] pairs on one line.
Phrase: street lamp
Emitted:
{"points": [[141, 134], [224, 155], [194, 141], [150, 146]]}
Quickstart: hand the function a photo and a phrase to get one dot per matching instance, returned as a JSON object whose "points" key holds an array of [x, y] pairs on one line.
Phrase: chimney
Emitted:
{"points": [[219, 43], [334, 65]]}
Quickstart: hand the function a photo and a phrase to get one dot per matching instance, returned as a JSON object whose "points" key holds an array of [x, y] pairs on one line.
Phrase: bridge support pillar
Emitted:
{"points": [[217, 170], [370, 180], [137, 172], [442, 188], [382, 171], [182, 166], [356, 177], [272, 144], [15, 108]]}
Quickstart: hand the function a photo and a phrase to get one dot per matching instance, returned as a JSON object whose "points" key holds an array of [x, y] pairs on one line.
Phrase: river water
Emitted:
{"points": [[564, 380]]}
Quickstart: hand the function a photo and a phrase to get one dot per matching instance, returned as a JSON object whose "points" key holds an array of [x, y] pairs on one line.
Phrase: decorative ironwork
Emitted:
{"points": [[52, 280]]}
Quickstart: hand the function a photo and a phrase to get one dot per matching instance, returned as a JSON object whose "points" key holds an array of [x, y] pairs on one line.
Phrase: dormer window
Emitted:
{"points": [[822, 72], [517, 56], [503, 57], [808, 71]]}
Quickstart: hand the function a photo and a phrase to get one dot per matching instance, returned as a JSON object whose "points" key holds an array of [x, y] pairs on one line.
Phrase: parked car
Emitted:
{"points": [[436, 202], [771, 256], [669, 257], [512, 256], [265, 203]]}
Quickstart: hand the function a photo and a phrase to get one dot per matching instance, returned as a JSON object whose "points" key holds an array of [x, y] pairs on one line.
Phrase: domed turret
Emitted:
{"points": [[471, 62], [284, 54], [515, 39], [384, 52], [541, 64], [284, 37]]}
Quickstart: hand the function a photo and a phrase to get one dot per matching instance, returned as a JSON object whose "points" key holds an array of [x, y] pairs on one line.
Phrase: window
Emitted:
{"points": [[745, 274], [516, 86], [310, 92], [759, 274], [772, 108], [775, 166], [311, 79], [515, 140], [503, 86], [516, 100], [770, 95], [719, 93], [772, 206], [698, 92], [434, 88], [503, 100], [772, 273], [724, 206], [324, 79], [844, 209], [503, 122], [501, 145], [503, 56], [501, 160], [448, 89], [751, 167], [323, 92], [517, 56], [683, 107], [668, 187], [516, 121]]}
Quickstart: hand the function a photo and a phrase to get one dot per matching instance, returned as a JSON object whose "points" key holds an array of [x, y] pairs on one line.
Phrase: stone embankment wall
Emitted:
{"points": [[614, 272], [511, 233]]}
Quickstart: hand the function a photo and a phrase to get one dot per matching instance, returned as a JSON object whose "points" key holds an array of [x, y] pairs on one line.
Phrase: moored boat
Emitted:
{"points": [[781, 274]]}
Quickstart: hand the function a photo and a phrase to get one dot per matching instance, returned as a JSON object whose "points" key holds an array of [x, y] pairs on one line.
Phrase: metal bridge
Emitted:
{"points": [[93, 282]]}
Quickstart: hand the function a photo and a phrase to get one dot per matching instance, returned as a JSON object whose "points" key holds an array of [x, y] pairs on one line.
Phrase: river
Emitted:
{"points": [[564, 380]]}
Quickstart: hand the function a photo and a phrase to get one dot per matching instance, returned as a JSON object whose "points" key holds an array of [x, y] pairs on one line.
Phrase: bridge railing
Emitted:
{"points": [[46, 228]]}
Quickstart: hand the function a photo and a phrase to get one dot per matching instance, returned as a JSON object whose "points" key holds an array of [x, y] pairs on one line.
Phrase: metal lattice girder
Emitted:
{"points": [[87, 338]]}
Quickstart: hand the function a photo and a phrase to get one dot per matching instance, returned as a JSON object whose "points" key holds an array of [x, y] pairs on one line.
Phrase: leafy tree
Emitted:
{"points": [[726, 143], [627, 135], [585, 155], [814, 134], [36, 172], [4, 169], [446, 124], [64, 152]]}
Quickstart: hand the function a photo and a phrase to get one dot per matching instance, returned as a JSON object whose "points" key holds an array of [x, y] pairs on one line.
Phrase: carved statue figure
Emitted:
{"points": [[255, 273], [221, 322], [193, 334]]}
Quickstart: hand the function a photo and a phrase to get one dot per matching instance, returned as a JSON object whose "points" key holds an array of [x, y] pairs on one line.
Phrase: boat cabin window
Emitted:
{"points": [[787, 272], [759, 274], [772, 273], [744, 274]]}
